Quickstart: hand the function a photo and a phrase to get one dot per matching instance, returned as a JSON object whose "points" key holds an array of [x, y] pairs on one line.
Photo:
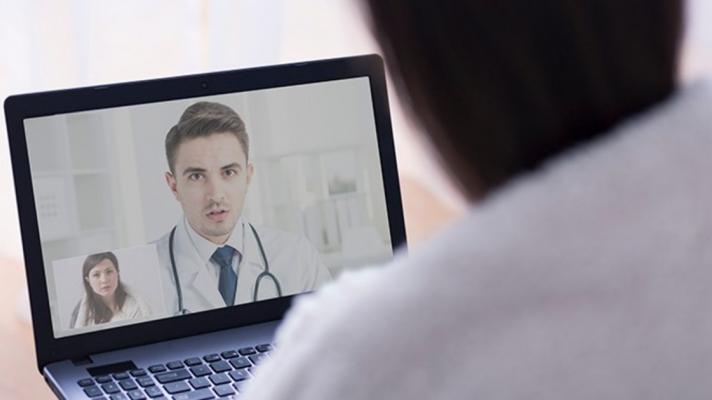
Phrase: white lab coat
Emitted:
{"points": [[590, 278], [292, 259]]}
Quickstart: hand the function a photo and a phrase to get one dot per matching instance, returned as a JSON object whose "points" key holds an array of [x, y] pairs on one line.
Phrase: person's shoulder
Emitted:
{"points": [[162, 246], [269, 231], [269, 235], [134, 306], [162, 240], [361, 316], [130, 300]]}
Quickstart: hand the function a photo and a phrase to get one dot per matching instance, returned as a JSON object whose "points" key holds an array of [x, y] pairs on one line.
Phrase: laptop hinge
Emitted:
{"points": [[52, 386]]}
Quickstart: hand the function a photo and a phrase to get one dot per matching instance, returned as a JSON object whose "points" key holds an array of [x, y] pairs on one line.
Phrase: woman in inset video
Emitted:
{"points": [[106, 298]]}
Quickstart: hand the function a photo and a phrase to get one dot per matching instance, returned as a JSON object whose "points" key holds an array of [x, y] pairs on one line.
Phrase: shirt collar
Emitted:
{"points": [[206, 248]]}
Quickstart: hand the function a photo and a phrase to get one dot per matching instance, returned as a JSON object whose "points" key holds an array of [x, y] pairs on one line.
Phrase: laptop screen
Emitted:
{"points": [[156, 210]]}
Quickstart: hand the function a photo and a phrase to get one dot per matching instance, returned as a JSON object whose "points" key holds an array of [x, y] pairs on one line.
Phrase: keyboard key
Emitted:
{"points": [[138, 372], [201, 370], [199, 383], [128, 384], [229, 354], [102, 379], [154, 392], [211, 358], [120, 376], [219, 379], [241, 362], [256, 359], [158, 368], [224, 390], [177, 387], [175, 364], [246, 351], [93, 391], [118, 396], [193, 361], [136, 395], [220, 366], [202, 394], [263, 347], [85, 382], [145, 381], [110, 388], [172, 376], [239, 375]]}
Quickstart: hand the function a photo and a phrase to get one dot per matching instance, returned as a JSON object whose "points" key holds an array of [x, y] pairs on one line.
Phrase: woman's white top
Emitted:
{"points": [[133, 308], [590, 278]]}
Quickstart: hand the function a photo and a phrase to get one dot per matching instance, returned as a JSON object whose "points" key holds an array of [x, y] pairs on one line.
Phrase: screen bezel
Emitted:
{"points": [[20, 107]]}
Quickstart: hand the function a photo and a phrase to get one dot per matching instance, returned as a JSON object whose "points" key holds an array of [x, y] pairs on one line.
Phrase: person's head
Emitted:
{"points": [[102, 286], [207, 153], [501, 86]]}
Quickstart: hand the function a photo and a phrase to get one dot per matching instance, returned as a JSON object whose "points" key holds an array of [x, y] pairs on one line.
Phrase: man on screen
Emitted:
{"points": [[214, 256]]}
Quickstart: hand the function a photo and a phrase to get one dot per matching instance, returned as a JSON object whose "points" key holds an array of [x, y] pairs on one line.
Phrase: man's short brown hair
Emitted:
{"points": [[203, 119]]}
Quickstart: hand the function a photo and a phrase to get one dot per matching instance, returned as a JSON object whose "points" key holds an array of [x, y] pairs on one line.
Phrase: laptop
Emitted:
{"points": [[168, 224]]}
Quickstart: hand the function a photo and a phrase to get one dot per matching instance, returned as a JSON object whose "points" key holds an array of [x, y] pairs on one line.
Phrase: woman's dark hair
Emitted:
{"points": [[97, 311], [501, 86]]}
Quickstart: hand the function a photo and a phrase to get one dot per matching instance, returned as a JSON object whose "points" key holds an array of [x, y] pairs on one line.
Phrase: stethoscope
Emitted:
{"points": [[264, 274]]}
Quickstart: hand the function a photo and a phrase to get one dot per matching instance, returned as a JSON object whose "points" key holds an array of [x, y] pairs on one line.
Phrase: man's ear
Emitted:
{"points": [[250, 171], [172, 183]]}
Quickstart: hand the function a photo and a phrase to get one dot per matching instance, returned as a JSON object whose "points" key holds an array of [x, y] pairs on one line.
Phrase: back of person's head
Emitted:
{"points": [[203, 119], [501, 86]]}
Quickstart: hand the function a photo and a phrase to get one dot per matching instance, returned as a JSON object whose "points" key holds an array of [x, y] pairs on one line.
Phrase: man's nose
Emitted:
{"points": [[215, 190]]}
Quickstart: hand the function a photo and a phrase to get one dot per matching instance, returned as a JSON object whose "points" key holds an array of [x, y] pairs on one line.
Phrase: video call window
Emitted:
{"points": [[155, 210]]}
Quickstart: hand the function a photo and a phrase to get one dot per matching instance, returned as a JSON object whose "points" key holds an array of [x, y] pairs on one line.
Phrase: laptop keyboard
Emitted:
{"points": [[196, 378]]}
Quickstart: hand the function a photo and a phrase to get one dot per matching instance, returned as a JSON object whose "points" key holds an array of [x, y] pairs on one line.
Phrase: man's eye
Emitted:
{"points": [[195, 177], [230, 172]]}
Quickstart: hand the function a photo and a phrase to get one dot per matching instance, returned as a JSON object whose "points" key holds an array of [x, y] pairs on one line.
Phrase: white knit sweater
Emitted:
{"points": [[590, 278]]}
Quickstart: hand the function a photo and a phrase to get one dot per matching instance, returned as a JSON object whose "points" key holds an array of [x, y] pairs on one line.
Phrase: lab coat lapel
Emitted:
{"points": [[204, 284], [250, 269], [198, 281]]}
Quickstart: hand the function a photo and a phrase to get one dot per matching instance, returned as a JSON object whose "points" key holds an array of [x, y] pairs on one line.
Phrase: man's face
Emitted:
{"points": [[210, 182]]}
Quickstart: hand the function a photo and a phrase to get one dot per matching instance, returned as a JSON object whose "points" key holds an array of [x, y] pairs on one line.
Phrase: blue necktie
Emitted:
{"points": [[228, 278]]}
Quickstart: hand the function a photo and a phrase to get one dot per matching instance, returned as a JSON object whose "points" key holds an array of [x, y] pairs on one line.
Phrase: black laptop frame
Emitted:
{"points": [[20, 107]]}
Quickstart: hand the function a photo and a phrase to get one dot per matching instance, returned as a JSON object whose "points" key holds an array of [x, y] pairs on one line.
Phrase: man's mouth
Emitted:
{"points": [[217, 215]]}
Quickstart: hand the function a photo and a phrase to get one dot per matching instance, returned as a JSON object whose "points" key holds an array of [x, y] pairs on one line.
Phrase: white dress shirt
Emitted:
{"points": [[206, 248]]}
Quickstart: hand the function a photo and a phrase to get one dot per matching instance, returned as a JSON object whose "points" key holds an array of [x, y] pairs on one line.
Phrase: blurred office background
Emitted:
{"points": [[53, 44], [59, 44]]}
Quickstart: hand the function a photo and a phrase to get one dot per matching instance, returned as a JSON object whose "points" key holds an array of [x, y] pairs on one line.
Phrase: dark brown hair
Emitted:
{"points": [[97, 311], [204, 119], [501, 86]]}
